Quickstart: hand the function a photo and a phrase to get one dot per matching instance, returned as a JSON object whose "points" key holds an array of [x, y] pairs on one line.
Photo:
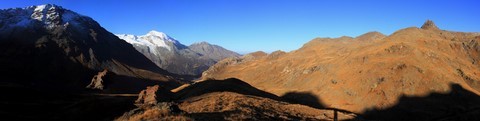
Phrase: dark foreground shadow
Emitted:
{"points": [[23, 103], [457, 105], [44, 74]]}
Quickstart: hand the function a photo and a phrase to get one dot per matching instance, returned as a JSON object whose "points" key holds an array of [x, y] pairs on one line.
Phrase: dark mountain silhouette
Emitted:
{"points": [[50, 47], [49, 54]]}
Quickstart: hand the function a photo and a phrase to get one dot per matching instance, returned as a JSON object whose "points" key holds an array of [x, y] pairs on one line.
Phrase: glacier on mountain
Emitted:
{"points": [[152, 40]]}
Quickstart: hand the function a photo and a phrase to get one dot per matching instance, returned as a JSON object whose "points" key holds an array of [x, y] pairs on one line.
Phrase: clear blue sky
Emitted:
{"points": [[267, 25]]}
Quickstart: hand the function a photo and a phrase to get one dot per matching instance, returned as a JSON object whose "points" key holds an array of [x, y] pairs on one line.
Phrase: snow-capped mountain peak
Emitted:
{"points": [[175, 57], [40, 12], [49, 15], [160, 35], [152, 39], [157, 33]]}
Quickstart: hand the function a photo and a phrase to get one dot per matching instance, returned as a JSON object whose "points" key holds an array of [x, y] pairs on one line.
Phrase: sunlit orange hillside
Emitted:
{"points": [[371, 71]]}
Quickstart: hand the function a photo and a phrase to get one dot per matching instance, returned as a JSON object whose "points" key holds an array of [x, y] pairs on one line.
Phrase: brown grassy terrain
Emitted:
{"points": [[231, 100], [371, 71], [234, 107]]}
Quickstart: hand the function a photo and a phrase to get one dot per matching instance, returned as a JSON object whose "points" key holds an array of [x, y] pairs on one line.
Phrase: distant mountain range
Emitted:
{"points": [[171, 55]]}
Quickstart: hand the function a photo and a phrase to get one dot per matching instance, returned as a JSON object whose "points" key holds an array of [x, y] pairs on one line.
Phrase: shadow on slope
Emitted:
{"points": [[304, 98], [238, 86], [45, 84], [459, 105], [65, 60], [227, 85], [309, 99], [233, 99]]}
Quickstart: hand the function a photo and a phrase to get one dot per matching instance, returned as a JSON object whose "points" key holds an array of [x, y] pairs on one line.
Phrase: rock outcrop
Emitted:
{"points": [[163, 111], [429, 25], [97, 80], [153, 95]]}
